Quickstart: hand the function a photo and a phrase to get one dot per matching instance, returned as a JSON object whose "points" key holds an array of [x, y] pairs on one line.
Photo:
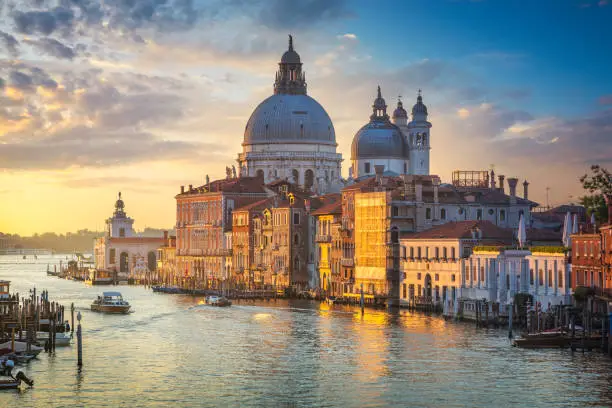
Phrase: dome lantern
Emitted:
{"points": [[419, 107], [289, 78]]}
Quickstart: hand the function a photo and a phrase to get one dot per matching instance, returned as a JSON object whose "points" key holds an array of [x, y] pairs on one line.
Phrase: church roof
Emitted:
{"points": [[463, 230]]}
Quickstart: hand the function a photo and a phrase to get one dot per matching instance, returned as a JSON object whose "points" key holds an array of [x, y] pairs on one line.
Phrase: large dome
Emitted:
{"points": [[285, 118], [379, 139]]}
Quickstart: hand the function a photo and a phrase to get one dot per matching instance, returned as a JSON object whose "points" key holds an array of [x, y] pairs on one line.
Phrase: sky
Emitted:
{"points": [[142, 96]]}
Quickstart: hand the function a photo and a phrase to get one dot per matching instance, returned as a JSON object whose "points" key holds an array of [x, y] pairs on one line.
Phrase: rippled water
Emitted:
{"points": [[175, 351]]}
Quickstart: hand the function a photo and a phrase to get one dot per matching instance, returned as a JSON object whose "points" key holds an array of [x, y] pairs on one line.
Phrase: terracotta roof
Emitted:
{"points": [[463, 230], [257, 205], [232, 185], [332, 204], [368, 184], [543, 234]]}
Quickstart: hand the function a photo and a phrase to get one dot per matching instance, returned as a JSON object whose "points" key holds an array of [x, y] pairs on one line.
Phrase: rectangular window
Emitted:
{"points": [[482, 274], [479, 214], [428, 213], [453, 277], [122, 232], [550, 278], [541, 277], [531, 276], [366, 167], [560, 279], [113, 254], [404, 291], [296, 218], [419, 275], [411, 291], [437, 277], [502, 215]]}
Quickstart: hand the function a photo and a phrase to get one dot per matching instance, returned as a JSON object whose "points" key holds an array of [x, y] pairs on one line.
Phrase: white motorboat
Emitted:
{"points": [[21, 348], [220, 301], [111, 302], [61, 339]]}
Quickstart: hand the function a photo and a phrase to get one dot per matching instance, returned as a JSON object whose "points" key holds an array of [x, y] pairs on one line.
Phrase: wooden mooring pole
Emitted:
{"points": [[79, 341]]}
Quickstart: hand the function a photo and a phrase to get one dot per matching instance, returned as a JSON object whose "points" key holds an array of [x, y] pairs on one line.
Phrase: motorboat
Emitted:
{"points": [[111, 302], [20, 348], [220, 301], [61, 339], [549, 339]]}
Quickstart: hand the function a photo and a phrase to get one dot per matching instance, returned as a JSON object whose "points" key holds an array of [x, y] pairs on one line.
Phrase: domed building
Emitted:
{"points": [[290, 136], [399, 146]]}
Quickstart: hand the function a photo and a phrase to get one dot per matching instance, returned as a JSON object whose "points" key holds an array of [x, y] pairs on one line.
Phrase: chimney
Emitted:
{"points": [[379, 169], [512, 182], [501, 182], [526, 190], [492, 180], [190, 187], [182, 189], [166, 238]]}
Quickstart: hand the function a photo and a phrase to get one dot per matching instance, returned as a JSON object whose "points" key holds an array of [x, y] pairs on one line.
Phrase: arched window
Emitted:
{"points": [[550, 278], [531, 277], [296, 263], [453, 253], [437, 252], [560, 279], [296, 239], [444, 253], [541, 277], [151, 261], [443, 213], [308, 179]]}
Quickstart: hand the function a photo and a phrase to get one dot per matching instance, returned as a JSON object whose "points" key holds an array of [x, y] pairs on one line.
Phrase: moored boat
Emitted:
{"points": [[551, 339], [220, 301], [6, 369], [111, 302]]}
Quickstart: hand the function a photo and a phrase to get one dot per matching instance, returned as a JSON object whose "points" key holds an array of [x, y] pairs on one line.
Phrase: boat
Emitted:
{"points": [[21, 348], [111, 302], [220, 301], [331, 300], [549, 339], [61, 339]]}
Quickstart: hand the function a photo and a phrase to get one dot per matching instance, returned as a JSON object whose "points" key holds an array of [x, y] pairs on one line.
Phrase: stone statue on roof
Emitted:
{"points": [[233, 171]]}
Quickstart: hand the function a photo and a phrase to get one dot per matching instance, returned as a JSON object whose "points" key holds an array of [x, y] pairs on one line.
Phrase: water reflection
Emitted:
{"points": [[177, 350]]}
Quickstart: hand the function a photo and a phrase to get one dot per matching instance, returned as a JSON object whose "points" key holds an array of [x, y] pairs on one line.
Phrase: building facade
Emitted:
{"points": [[121, 250], [204, 217], [328, 245]]}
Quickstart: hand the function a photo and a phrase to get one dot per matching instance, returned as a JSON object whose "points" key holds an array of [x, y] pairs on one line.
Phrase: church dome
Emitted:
{"points": [[380, 138], [419, 107], [400, 112], [286, 118]]}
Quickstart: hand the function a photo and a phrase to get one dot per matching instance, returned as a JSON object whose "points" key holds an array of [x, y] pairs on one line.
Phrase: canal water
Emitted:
{"points": [[175, 351]]}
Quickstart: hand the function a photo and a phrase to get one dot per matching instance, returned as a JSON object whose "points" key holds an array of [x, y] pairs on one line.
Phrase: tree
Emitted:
{"points": [[600, 183]]}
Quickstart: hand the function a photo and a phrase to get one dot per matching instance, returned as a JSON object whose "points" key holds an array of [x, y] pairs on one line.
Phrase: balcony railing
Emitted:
{"points": [[323, 238]]}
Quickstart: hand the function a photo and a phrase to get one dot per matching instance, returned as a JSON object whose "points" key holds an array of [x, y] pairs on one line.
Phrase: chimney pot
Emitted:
{"points": [[526, 190], [379, 169], [501, 182], [182, 189], [512, 182], [190, 187]]}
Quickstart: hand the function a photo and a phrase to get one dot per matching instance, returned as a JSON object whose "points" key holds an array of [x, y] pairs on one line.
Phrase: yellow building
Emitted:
{"points": [[372, 224], [328, 244]]}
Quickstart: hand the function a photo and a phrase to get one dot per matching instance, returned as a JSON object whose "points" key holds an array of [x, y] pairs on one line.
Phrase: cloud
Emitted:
{"points": [[348, 36], [43, 22], [605, 100], [53, 47], [463, 113], [281, 14], [88, 147], [10, 43]]}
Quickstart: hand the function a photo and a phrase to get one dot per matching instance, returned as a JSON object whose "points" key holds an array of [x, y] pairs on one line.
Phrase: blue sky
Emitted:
{"points": [[143, 96]]}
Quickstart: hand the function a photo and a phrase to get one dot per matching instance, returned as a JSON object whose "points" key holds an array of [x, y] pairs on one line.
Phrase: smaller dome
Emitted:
{"points": [[290, 56], [379, 139], [419, 107], [400, 112]]}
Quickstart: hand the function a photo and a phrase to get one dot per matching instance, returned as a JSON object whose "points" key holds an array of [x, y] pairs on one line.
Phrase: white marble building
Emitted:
{"points": [[290, 136], [401, 146], [120, 249]]}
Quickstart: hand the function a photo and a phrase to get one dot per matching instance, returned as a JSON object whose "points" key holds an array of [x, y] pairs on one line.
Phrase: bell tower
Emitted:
{"points": [[419, 138]]}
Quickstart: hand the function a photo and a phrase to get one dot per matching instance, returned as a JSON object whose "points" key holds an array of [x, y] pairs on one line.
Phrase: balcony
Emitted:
{"points": [[323, 238], [347, 262]]}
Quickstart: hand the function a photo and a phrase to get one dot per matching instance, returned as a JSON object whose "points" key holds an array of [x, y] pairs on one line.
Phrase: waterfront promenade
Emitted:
{"points": [[176, 351]]}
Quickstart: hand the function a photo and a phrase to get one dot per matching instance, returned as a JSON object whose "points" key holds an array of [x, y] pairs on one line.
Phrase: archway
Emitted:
{"points": [[308, 179], [123, 262], [295, 174], [151, 261], [427, 287]]}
